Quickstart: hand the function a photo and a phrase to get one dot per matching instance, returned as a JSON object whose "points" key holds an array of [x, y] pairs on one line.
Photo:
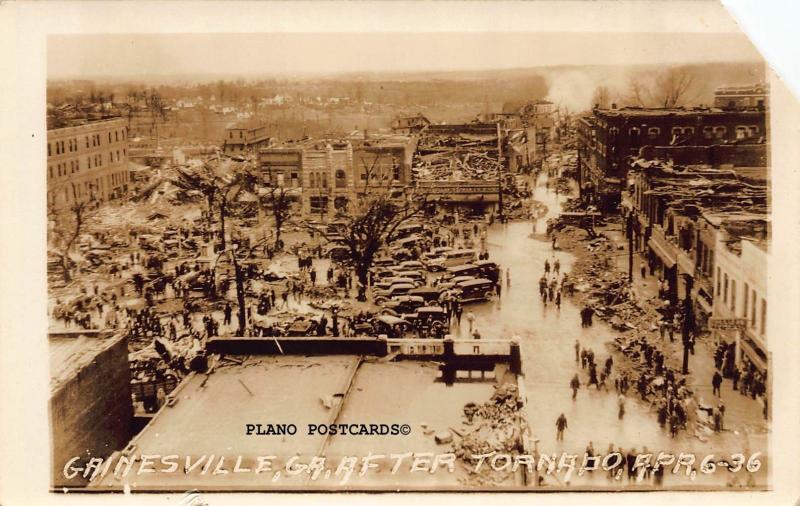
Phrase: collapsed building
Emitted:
{"points": [[461, 166], [609, 137], [706, 232]]}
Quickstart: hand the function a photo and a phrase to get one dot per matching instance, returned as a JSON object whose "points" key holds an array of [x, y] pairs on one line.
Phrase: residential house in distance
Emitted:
{"points": [[240, 140], [410, 124]]}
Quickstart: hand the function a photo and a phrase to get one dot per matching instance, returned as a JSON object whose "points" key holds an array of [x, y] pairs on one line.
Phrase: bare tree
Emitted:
{"points": [[70, 224], [280, 206], [672, 87], [219, 188], [601, 97], [373, 223], [637, 93]]}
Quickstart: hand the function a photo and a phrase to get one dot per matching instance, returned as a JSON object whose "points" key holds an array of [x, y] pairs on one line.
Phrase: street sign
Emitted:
{"points": [[727, 323]]}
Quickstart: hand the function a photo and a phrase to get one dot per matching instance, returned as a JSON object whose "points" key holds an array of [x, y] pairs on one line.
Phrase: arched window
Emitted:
{"points": [[341, 179]]}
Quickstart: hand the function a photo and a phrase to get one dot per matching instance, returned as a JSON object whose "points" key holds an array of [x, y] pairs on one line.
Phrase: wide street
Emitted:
{"points": [[548, 337]]}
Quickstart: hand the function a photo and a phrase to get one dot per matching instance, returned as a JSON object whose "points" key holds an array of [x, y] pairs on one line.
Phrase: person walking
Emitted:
{"points": [[716, 382], [470, 321], [547, 267], [620, 406], [227, 311], [575, 384], [561, 425], [577, 351], [737, 374], [556, 266], [558, 299], [313, 276], [508, 277]]}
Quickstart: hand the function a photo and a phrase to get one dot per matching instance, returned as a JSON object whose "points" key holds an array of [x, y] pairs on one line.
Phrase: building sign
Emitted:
{"points": [[450, 187], [727, 323]]}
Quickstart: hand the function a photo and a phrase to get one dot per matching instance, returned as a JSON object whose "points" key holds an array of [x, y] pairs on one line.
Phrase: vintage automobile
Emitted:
{"points": [[462, 270], [489, 270], [302, 327], [428, 293], [404, 304], [409, 265], [451, 258], [417, 276], [386, 283], [392, 326], [393, 291], [338, 253], [409, 229], [475, 290], [400, 255], [452, 283], [431, 321]]}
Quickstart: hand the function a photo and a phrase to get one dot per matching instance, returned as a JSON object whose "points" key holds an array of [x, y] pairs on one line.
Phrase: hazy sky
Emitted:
{"points": [[70, 56]]}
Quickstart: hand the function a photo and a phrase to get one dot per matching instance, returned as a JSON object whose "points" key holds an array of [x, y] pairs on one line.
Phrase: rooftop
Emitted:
{"points": [[677, 111], [212, 410], [71, 351]]}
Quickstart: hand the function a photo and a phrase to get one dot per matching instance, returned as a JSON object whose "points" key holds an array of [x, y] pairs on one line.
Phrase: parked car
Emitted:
{"points": [[409, 265], [417, 276], [489, 270], [451, 258], [429, 294], [394, 290], [387, 283], [475, 290], [392, 326], [404, 304]]}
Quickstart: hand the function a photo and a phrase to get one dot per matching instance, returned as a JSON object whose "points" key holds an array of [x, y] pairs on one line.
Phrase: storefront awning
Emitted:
{"points": [[663, 251], [753, 354]]}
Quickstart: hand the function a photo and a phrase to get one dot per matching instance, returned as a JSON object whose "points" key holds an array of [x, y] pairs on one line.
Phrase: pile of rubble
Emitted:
{"points": [[493, 426], [456, 166]]}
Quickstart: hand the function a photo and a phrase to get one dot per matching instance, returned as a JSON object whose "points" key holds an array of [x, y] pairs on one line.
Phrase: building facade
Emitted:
{"points": [[751, 97], [281, 165], [678, 216], [243, 140], [609, 137], [91, 413], [410, 124], [87, 162]]}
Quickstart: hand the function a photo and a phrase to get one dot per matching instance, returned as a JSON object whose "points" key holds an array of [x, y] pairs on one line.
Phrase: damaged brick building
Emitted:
{"points": [[706, 232], [609, 137]]}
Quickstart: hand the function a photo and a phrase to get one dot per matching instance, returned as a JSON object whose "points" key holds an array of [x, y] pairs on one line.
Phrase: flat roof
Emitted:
{"points": [[655, 112], [72, 351], [211, 412]]}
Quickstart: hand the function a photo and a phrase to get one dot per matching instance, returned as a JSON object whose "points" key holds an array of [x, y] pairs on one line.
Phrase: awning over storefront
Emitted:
{"points": [[754, 355], [685, 263], [663, 250]]}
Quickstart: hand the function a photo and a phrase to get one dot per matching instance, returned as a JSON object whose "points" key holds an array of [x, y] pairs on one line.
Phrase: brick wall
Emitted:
{"points": [[91, 415]]}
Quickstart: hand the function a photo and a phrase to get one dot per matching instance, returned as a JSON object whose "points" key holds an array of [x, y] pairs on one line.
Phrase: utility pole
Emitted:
{"points": [[629, 233], [501, 214], [580, 177], [687, 329]]}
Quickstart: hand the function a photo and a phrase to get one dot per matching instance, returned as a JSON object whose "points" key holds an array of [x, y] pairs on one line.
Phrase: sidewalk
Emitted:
{"points": [[741, 412]]}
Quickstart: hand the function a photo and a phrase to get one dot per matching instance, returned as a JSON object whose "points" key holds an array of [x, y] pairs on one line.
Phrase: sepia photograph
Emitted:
{"points": [[372, 261]]}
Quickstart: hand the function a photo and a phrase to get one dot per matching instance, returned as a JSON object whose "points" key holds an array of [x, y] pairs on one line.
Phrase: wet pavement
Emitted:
{"points": [[548, 336]]}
